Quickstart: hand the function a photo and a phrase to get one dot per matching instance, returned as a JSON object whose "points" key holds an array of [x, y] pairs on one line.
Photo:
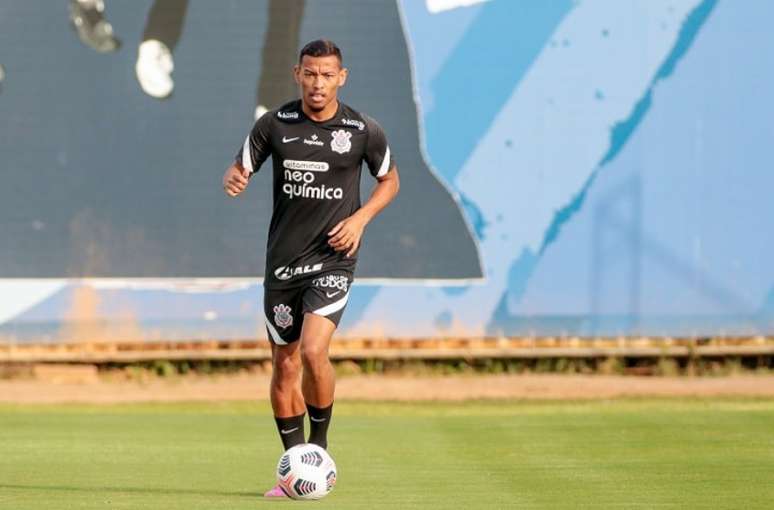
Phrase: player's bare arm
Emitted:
{"points": [[235, 180], [347, 233]]}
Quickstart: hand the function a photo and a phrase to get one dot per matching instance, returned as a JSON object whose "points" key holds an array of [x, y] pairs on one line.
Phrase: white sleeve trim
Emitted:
{"points": [[273, 332], [385, 164], [333, 307], [247, 160]]}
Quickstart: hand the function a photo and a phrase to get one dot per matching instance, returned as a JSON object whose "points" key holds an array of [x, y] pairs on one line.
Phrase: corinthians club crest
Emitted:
{"points": [[282, 317], [341, 141]]}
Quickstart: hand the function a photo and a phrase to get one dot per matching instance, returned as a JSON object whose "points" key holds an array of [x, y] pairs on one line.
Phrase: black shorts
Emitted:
{"points": [[284, 309]]}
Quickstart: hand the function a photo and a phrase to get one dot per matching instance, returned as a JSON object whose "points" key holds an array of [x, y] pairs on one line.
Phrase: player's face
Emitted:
{"points": [[319, 79]]}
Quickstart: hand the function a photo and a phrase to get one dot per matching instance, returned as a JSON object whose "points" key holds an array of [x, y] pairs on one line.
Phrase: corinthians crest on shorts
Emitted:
{"points": [[341, 141], [282, 316]]}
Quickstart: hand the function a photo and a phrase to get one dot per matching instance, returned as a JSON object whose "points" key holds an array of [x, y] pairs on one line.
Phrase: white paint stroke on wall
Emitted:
{"points": [[436, 6]]}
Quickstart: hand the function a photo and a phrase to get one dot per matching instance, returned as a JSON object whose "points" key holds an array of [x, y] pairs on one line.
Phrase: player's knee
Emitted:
{"points": [[287, 368], [313, 355]]}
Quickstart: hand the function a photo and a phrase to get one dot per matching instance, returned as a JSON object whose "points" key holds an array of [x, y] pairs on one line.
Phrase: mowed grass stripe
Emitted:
{"points": [[597, 454]]}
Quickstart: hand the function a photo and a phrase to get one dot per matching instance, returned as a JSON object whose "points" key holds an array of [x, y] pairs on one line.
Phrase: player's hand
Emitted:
{"points": [[235, 180], [346, 235]]}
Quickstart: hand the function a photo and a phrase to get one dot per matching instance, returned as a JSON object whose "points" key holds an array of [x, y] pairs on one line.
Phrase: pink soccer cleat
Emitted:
{"points": [[275, 492]]}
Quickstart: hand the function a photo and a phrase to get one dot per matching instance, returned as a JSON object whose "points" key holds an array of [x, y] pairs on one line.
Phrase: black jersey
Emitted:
{"points": [[317, 167]]}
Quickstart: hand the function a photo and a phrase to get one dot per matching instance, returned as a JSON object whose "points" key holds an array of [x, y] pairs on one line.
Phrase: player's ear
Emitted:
{"points": [[343, 76], [297, 74]]}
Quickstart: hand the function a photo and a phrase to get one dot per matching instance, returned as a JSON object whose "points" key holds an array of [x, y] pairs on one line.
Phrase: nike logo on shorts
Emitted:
{"points": [[331, 294], [283, 431], [288, 140]]}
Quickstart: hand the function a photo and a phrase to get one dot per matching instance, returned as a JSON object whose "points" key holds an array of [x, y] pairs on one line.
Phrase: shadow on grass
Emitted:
{"points": [[135, 490]]}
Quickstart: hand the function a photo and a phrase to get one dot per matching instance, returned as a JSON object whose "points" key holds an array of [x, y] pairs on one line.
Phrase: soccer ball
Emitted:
{"points": [[306, 471]]}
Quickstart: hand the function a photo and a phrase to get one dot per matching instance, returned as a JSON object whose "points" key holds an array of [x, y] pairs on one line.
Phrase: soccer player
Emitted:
{"points": [[317, 145]]}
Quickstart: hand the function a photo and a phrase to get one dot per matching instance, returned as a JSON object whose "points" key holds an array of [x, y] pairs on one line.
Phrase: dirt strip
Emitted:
{"points": [[363, 387]]}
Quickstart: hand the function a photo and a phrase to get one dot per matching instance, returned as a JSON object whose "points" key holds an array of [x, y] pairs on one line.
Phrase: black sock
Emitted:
{"points": [[319, 419], [291, 430]]}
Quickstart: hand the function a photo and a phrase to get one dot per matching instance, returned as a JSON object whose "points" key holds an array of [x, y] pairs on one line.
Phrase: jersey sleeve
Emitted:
{"points": [[377, 155], [257, 146]]}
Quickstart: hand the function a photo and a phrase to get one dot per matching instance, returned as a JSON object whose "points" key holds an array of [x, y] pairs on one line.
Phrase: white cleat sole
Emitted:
{"points": [[154, 69]]}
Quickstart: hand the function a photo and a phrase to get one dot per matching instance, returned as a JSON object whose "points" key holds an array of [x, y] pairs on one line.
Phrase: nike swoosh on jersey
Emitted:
{"points": [[283, 431], [331, 295], [288, 140]]}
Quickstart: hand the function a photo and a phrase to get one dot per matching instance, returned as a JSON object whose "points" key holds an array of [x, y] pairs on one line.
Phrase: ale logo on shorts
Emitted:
{"points": [[282, 316], [341, 141]]}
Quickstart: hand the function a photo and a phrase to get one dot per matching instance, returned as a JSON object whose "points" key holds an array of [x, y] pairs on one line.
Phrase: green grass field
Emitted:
{"points": [[599, 454]]}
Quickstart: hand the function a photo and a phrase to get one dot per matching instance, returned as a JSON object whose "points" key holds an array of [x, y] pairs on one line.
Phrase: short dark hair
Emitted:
{"points": [[320, 48]]}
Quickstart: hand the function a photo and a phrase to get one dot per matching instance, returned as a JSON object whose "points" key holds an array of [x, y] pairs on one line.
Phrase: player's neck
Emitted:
{"points": [[326, 113]]}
